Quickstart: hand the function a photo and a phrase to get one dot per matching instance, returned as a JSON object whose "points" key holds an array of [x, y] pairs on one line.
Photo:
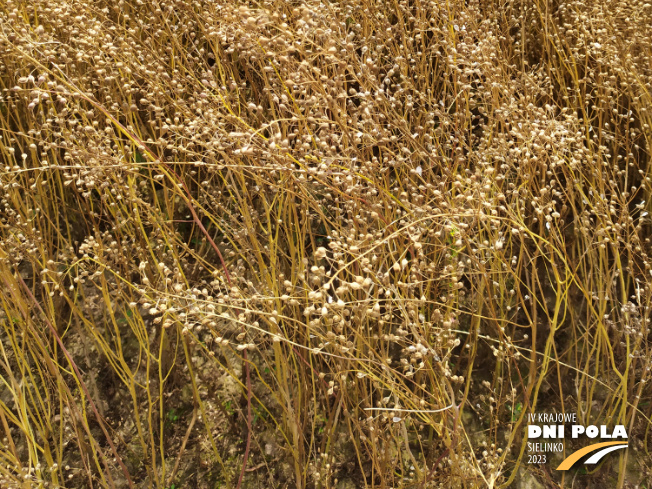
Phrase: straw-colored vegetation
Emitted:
{"points": [[321, 245]]}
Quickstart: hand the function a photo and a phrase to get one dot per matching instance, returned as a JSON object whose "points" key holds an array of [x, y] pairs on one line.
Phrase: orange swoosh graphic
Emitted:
{"points": [[575, 456]]}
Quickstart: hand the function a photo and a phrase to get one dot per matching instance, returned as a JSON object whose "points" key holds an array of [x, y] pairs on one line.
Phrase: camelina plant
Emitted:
{"points": [[322, 244]]}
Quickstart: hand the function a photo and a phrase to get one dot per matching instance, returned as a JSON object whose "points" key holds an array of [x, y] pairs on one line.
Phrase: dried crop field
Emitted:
{"points": [[322, 244]]}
